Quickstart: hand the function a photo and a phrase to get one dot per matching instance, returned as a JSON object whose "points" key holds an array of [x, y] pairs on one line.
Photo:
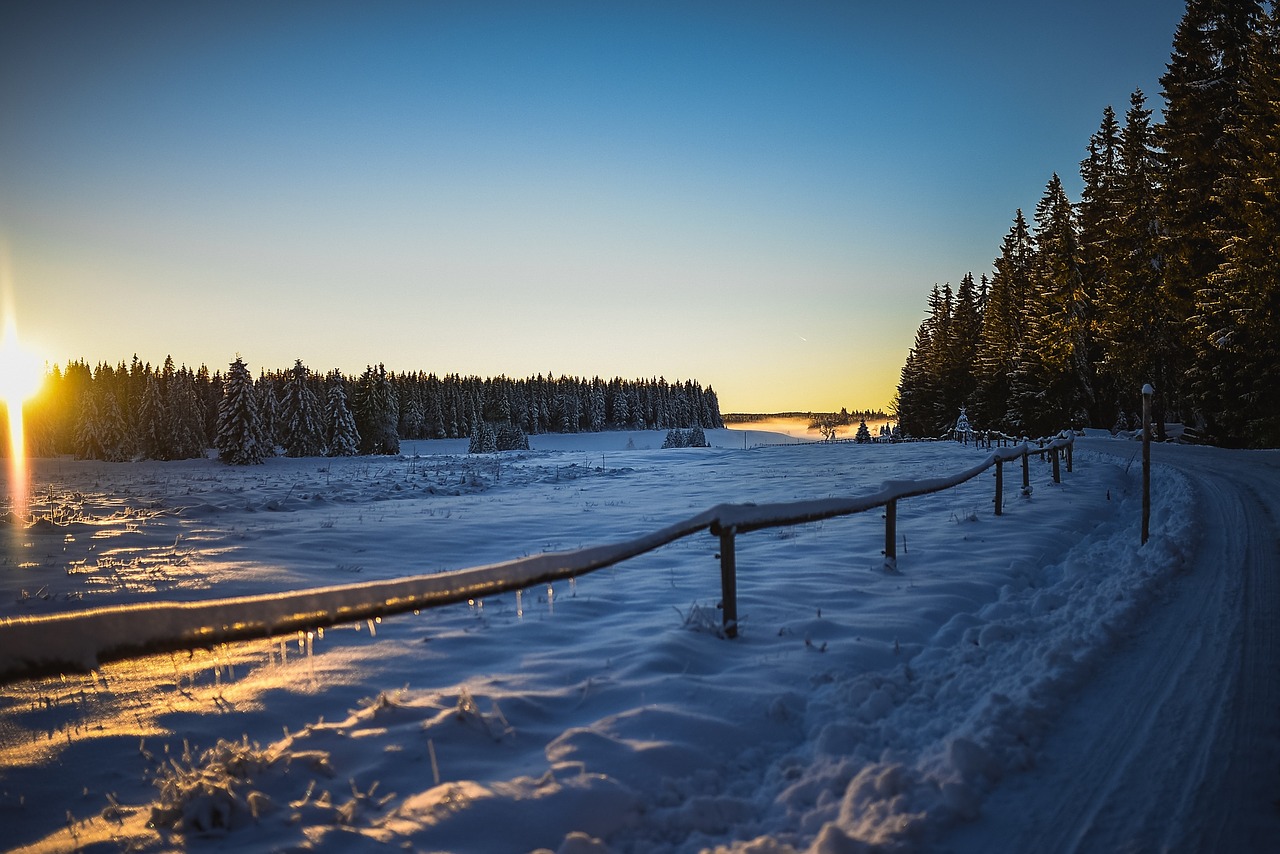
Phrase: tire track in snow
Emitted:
{"points": [[1173, 747]]}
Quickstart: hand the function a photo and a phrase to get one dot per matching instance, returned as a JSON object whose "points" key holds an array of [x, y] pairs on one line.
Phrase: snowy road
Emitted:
{"points": [[1175, 743]]}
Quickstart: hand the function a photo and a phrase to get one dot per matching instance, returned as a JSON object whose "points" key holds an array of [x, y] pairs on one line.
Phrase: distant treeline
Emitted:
{"points": [[1166, 271], [844, 416], [137, 411]]}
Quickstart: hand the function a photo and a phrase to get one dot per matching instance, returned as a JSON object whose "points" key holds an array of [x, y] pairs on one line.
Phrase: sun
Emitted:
{"points": [[21, 371]]}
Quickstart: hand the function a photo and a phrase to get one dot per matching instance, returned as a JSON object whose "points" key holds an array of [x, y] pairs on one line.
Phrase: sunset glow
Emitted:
{"points": [[21, 374], [758, 196]]}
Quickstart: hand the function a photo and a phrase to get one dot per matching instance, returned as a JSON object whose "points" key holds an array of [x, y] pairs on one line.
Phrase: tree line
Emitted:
{"points": [[1165, 271], [136, 411]]}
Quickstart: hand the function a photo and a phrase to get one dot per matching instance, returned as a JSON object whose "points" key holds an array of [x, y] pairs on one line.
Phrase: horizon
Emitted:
{"points": [[752, 196]]}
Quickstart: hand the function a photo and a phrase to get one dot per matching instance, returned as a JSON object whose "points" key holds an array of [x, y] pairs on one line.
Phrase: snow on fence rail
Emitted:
{"points": [[78, 642]]}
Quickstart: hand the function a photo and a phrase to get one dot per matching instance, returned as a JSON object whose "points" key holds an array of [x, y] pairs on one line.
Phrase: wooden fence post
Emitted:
{"points": [[1057, 470], [891, 535], [1069, 448], [728, 583], [1026, 470], [1147, 391], [999, 487]]}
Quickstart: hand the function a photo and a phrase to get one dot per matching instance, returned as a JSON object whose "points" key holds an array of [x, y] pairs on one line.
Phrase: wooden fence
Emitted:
{"points": [[80, 641]]}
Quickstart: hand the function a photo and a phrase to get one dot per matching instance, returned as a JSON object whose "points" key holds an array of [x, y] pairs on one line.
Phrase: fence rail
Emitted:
{"points": [[80, 641]]}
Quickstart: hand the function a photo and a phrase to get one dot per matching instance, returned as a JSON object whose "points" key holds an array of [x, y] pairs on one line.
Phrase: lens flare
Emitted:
{"points": [[21, 375]]}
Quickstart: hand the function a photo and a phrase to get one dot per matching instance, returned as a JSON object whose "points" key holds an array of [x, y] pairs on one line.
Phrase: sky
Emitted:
{"points": [[758, 196]]}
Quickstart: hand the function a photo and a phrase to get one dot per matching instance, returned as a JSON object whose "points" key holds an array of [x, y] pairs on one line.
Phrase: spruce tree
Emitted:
{"points": [[1236, 331], [912, 408], [966, 333], [342, 439], [376, 411], [300, 415], [1203, 93], [185, 417], [1003, 327], [483, 439], [1140, 338], [269, 413], [152, 429], [1051, 384], [240, 439]]}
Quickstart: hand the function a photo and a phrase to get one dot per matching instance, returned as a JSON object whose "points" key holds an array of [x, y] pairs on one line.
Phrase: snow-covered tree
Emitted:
{"points": [[377, 413], [240, 439], [483, 439], [152, 434], [342, 438], [100, 429], [301, 419], [185, 417], [269, 413]]}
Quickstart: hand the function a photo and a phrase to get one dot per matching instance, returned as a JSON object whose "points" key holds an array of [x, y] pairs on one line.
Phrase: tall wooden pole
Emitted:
{"points": [[1147, 391]]}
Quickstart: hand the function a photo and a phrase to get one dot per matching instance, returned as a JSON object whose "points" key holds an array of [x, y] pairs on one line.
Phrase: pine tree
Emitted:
{"points": [[1140, 338], [341, 437], [152, 430], [269, 413], [376, 411], [966, 334], [1052, 381], [1003, 327], [483, 439], [1236, 330], [300, 415], [1203, 92], [912, 408], [240, 439], [596, 407], [185, 417], [100, 431]]}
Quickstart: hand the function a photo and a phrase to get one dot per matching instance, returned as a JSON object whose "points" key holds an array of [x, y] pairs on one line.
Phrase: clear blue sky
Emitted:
{"points": [[755, 195]]}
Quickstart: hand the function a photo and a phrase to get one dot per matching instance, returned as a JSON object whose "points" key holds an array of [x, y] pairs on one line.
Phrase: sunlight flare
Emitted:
{"points": [[21, 375], [21, 371]]}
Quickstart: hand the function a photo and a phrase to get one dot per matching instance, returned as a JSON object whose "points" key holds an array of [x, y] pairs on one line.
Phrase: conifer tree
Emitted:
{"points": [[300, 415], [342, 439], [483, 439], [1052, 381], [269, 413], [1003, 326], [966, 334], [240, 439], [911, 406], [1140, 339], [1236, 331], [152, 431], [100, 431], [376, 411], [185, 417], [1203, 92]]}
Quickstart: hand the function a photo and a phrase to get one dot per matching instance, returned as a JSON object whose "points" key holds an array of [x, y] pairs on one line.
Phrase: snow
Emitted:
{"points": [[857, 707]]}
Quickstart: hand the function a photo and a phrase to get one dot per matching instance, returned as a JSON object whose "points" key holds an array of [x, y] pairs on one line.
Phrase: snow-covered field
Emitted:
{"points": [[603, 714]]}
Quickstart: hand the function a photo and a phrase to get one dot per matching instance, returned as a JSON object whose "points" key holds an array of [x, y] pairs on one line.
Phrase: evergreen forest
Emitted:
{"points": [[1165, 271], [136, 411]]}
